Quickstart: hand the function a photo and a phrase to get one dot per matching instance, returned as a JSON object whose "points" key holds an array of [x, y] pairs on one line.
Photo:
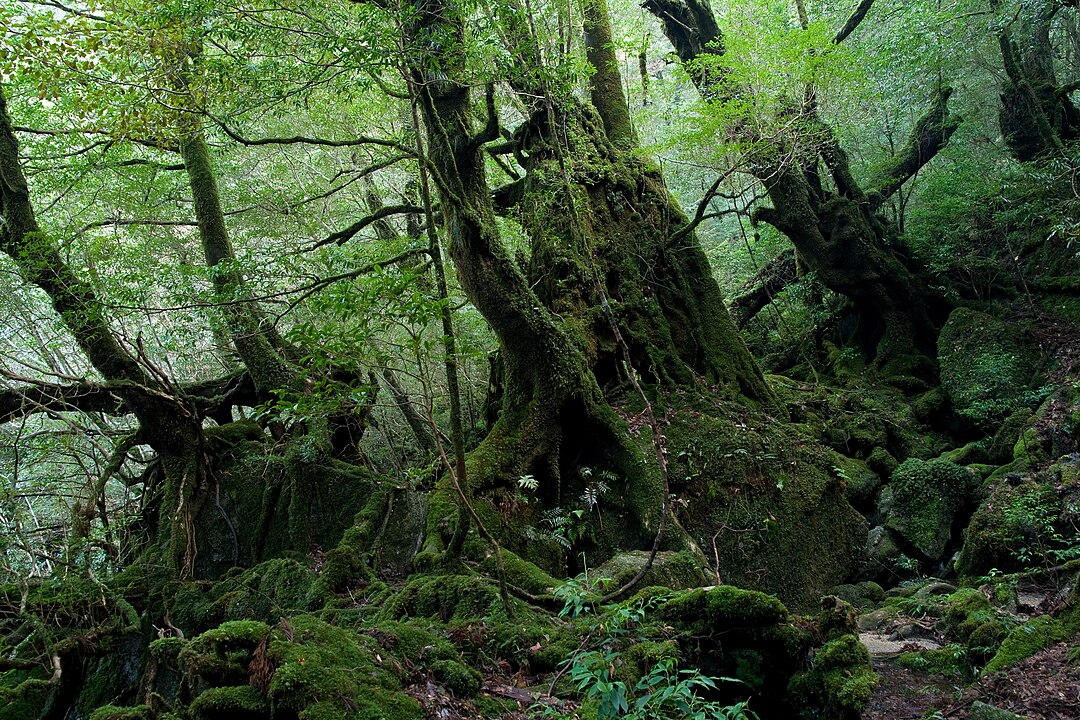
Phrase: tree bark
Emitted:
{"points": [[837, 233], [168, 422]]}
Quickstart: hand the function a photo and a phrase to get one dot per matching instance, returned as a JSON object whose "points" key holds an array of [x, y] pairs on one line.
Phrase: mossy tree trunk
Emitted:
{"points": [[1037, 115], [835, 226], [169, 421], [608, 245]]}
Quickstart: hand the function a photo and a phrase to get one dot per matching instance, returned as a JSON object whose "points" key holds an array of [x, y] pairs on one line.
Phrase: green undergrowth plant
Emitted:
{"points": [[664, 692]]}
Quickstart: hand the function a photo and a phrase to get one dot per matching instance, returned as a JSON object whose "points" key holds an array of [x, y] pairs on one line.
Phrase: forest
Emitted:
{"points": [[539, 359]]}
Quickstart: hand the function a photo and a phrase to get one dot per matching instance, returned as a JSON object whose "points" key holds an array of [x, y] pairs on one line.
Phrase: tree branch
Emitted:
{"points": [[853, 21], [930, 134], [343, 236]]}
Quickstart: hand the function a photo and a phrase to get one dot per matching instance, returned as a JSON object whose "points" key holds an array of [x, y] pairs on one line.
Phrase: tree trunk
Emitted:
{"points": [[168, 421], [608, 245], [837, 232], [1036, 116]]}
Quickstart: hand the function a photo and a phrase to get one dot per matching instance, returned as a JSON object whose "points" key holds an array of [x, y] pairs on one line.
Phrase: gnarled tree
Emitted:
{"points": [[833, 222]]}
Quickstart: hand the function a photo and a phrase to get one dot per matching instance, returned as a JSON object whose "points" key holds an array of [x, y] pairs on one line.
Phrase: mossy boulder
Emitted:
{"points": [[764, 500], [839, 682], [986, 365], [675, 570], [220, 656], [730, 632], [861, 484], [923, 499], [330, 673], [240, 702], [1016, 524], [113, 712], [1024, 641]]}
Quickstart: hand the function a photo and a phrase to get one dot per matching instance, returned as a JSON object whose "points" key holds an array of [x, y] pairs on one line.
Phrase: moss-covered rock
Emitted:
{"points": [[220, 656], [330, 673], [860, 483], [240, 702], [950, 662], [986, 365], [839, 680], [675, 570], [112, 712], [1024, 641], [784, 524], [924, 498], [458, 678], [1016, 523]]}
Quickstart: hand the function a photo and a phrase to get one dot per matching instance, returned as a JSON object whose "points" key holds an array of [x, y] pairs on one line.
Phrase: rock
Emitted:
{"points": [[884, 559], [981, 711], [924, 498], [985, 365], [676, 570]]}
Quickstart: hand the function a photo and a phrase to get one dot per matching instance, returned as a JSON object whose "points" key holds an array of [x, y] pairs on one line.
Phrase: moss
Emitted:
{"points": [[675, 570], [965, 610], [221, 655], [241, 702], [521, 573], [839, 681], [1011, 528], [112, 712], [640, 657], [925, 497], [459, 679], [860, 483], [167, 649], [881, 462], [948, 662], [1026, 640], [343, 569], [330, 672], [790, 530], [723, 606], [985, 365], [981, 711], [450, 598]]}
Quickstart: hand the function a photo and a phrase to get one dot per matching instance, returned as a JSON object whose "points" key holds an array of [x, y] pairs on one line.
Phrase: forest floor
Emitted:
{"points": [[1042, 687]]}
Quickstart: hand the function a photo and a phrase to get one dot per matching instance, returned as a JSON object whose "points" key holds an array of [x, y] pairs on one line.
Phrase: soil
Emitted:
{"points": [[1042, 687]]}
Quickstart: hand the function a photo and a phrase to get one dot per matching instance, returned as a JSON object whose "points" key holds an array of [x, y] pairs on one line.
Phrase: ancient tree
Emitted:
{"points": [[831, 219]]}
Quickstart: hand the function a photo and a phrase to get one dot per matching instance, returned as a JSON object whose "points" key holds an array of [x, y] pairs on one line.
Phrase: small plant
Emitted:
{"points": [[666, 692]]}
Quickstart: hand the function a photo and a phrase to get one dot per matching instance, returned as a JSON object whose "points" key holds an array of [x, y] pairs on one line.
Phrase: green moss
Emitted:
{"points": [[241, 702], [724, 606], [675, 570], [965, 610], [330, 672], [1026, 640], [521, 573], [640, 657], [112, 712], [167, 649], [982, 711], [267, 591], [839, 681], [453, 599], [459, 679], [985, 365], [1012, 528], [948, 661], [925, 497], [789, 528], [221, 655], [860, 483]]}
